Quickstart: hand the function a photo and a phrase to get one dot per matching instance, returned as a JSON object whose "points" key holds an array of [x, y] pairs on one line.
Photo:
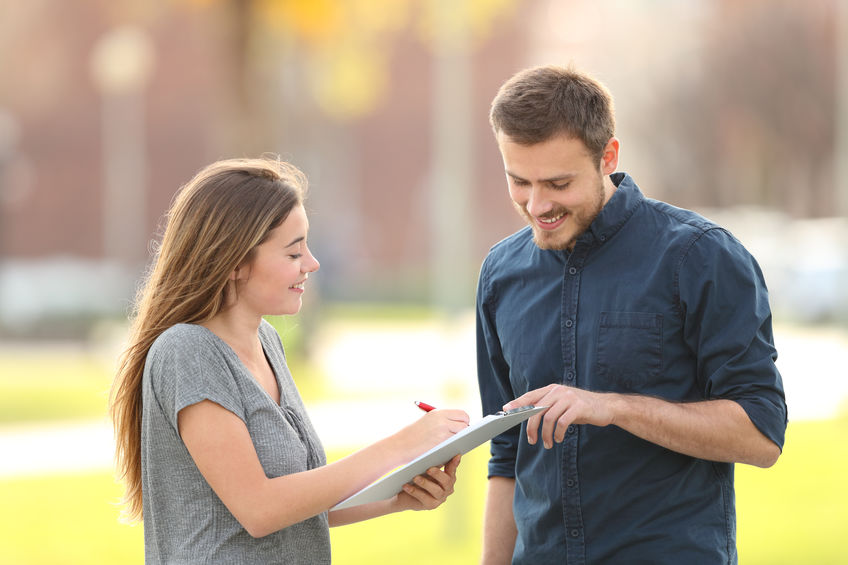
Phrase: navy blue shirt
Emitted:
{"points": [[652, 300]]}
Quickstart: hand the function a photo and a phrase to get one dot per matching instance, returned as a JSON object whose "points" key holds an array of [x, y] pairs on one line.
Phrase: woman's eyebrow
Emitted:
{"points": [[296, 240]]}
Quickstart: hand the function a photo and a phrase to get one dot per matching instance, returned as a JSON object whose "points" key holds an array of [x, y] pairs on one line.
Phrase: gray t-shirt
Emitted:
{"points": [[184, 520]]}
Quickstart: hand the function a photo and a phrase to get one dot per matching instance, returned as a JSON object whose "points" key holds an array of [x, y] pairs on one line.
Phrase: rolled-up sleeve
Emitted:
{"points": [[728, 326]]}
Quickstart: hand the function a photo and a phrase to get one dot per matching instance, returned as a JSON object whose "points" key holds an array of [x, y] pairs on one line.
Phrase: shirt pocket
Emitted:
{"points": [[629, 354]]}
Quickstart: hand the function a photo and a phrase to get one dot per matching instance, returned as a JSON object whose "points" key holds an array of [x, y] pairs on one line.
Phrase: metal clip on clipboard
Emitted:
{"points": [[515, 410]]}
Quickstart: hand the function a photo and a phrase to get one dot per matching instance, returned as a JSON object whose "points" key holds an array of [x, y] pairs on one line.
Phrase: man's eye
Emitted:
{"points": [[560, 186]]}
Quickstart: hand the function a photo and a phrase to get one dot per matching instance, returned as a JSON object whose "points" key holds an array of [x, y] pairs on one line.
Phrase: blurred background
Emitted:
{"points": [[735, 108]]}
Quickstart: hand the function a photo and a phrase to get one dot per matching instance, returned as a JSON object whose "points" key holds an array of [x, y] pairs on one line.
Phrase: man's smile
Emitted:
{"points": [[551, 223]]}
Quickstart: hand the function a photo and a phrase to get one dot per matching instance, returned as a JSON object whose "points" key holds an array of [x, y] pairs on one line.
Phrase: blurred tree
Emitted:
{"points": [[338, 53], [756, 125], [308, 71]]}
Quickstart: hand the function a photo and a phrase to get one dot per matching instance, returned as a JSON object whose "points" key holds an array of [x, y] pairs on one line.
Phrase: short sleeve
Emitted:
{"points": [[728, 326], [185, 366]]}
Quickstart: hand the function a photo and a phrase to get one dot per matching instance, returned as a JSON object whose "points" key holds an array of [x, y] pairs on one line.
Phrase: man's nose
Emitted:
{"points": [[537, 203]]}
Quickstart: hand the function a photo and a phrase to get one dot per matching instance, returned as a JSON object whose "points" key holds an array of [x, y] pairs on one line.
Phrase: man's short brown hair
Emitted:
{"points": [[539, 103]]}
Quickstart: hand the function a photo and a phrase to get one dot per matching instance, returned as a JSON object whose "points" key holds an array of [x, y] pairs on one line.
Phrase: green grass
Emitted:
{"points": [[73, 519], [795, 512], [64, 520], [38, 386]]}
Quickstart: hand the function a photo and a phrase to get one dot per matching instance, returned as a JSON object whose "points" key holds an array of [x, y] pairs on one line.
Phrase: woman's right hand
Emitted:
{"points": [[431, 429]]}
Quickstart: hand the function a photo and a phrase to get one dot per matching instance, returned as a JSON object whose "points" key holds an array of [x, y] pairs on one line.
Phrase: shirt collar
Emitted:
{"points": [[617, 210]]}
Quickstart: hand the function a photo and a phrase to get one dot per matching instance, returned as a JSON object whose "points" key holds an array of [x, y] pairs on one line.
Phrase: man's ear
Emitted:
{"points": [[609, 158]]}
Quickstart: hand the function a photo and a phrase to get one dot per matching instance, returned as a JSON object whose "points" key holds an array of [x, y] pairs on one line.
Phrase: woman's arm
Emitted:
{"points": [[223, 451], [428, 493]]}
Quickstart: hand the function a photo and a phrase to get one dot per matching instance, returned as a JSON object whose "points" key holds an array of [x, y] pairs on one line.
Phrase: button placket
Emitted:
{"points": [[572, 514]]}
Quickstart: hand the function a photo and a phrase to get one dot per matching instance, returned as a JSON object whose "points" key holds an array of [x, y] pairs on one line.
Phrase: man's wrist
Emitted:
{"points": [[618, 406]]}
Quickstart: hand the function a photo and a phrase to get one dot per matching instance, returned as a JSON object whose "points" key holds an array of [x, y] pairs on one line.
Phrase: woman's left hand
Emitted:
{"points": [[431, 489]]}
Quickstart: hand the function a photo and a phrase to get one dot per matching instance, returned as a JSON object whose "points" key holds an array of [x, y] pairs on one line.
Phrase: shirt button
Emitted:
{"points": [[572, 271], [570, 482], [575, 533], [570, 375], [568, 323], [570, 429]]}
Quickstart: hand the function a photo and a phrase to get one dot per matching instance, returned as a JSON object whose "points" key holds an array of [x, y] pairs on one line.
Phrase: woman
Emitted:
{"points": [[214, 444]]}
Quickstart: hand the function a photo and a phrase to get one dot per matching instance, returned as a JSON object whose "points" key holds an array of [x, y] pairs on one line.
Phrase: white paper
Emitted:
{"points": [[464, 441]]}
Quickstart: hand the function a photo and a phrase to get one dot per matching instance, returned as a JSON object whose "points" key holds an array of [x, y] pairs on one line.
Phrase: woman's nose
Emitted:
{"points": [[311, 264]]}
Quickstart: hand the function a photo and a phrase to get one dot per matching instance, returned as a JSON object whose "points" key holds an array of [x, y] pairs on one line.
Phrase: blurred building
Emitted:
{"points": [[107, 108]]}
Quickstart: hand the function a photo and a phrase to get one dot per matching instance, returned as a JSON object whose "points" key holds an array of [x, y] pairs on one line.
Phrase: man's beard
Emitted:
{"points": [[575, 224]]}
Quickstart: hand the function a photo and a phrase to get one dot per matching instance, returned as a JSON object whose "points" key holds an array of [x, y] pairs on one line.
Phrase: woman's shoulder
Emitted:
{"points": [[181, 334], [184, 343]]}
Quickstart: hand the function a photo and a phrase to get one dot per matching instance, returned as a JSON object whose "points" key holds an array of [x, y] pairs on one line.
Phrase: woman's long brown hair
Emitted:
{"points": [[213, 226]]}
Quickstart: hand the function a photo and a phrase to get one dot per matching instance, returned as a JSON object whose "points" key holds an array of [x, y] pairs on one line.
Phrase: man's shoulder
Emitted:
{"points": [[509, 253], [680, 216], [690, 232], [512, 243], [501, 260]]}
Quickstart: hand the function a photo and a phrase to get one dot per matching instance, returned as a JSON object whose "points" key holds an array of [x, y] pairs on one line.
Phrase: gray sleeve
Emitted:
{"points": [[185, 367]]}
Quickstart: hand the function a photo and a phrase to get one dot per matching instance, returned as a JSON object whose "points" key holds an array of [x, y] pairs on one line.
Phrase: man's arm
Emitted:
{"points": [[499, 529], [715, 430]]}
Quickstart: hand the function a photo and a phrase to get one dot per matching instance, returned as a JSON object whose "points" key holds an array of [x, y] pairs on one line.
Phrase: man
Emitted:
{"points": [[645, 328]]}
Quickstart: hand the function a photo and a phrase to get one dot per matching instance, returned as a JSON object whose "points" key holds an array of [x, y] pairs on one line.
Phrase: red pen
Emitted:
{"points": [[424, 406]]}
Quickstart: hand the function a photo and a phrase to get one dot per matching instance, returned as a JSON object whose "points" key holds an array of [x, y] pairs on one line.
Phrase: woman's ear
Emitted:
{"points": [[242, 270]]}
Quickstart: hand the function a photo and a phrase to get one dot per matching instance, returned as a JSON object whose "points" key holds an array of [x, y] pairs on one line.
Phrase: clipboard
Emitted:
{"points": [[462, 442]]}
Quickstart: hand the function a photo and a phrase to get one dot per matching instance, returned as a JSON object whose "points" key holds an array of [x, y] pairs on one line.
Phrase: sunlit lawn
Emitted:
{"points": [[51, 385], [797, 511], [73, 519], [793, 513]]}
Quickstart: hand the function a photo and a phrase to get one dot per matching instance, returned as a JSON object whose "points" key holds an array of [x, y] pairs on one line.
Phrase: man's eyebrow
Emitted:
{"points": [[562, 177], [566, 176], [296, 240], [513, 175]]}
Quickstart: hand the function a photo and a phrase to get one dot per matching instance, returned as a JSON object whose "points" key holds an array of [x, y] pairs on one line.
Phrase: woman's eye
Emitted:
{"points": [[296, 256]]}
